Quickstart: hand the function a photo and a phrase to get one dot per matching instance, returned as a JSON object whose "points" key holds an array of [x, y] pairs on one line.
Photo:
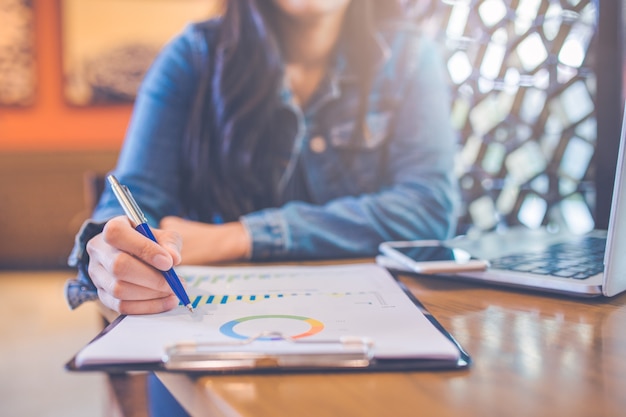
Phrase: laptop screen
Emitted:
{"points": [[614, 261], [623, 39]]}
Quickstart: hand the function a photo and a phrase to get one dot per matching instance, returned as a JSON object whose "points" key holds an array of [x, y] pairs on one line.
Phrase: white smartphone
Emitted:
{"points": [[431, 257]]}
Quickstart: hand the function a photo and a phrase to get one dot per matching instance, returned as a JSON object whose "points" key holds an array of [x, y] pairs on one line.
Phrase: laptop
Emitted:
{"points": [[593, 264]]}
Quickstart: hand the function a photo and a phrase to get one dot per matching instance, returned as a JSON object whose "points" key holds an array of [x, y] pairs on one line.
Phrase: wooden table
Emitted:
{"points": [[533, 355]]}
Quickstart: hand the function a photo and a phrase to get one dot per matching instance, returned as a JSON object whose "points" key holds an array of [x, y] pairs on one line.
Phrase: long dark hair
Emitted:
{"points": [[230, 168]]}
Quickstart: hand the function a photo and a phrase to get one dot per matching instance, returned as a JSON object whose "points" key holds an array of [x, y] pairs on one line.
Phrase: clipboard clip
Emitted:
{"points": [[269, 350]]}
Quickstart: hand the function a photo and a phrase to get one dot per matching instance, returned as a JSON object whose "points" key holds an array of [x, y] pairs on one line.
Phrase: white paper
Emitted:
{"points": [[302, 302]]}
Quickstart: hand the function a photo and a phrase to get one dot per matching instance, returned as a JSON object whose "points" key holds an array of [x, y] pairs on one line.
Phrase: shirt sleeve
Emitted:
{"points": [[149, 162], [82, 289]]}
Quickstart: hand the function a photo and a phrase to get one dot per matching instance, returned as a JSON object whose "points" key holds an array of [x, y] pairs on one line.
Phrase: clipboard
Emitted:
{"points": [[288, 354]]}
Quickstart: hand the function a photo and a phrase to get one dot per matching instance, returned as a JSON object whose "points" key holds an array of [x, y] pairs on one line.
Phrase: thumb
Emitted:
{"points": [[172, 242]]}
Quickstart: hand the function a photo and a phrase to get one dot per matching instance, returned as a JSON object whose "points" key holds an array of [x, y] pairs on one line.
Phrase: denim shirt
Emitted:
{"points": [[399, 185]]}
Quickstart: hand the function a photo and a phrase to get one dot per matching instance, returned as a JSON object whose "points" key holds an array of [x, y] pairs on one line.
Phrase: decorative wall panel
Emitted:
{"points": [[524, 87]]}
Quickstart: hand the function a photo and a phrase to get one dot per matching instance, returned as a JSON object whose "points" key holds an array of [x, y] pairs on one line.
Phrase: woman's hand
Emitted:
{"points": [[209, 243], [126, 268]]}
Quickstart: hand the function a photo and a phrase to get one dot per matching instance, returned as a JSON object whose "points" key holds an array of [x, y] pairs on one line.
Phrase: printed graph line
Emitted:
{"points": [[195, 280], [253, 298]]}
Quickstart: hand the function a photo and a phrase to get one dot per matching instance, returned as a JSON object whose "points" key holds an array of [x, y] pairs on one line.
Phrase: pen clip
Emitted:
{"points": [[127, 202]]}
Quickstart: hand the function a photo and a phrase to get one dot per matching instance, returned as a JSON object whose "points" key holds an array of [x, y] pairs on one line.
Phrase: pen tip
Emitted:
{"points": [[190, 308]]}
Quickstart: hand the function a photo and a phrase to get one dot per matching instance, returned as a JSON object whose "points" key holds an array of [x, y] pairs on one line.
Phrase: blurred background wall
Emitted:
{"points": [[45, 149], [60, 119]]}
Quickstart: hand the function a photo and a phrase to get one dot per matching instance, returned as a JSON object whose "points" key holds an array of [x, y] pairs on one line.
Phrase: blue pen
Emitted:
{"points": [[140, 224]]}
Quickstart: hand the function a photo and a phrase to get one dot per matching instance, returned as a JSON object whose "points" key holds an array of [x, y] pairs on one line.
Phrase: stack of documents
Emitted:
{"points": [[341, 316]]}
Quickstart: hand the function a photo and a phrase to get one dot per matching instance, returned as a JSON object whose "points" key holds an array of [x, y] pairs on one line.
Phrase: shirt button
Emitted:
{"points": [[317, 144]]}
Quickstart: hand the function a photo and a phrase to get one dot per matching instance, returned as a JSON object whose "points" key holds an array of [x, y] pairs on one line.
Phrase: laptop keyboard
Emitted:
{"points": [[579, 259]]}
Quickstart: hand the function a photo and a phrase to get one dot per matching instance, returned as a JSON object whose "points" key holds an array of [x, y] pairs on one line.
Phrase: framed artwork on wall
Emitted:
{"points": [[17, 53], [108, 45]]}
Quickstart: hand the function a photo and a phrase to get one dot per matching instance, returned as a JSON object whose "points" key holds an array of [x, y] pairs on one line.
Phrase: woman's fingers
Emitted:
{"points": [[152, 306], [126, 297], [130, 287], [172, 242], [142, 292], [120, 234], [123, 267]]}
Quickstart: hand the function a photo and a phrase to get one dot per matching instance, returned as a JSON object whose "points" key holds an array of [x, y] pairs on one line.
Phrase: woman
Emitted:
{"points": [[282, 130]]}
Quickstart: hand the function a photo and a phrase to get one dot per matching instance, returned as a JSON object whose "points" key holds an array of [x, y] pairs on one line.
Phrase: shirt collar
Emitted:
{"points": [[341, 71]]}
